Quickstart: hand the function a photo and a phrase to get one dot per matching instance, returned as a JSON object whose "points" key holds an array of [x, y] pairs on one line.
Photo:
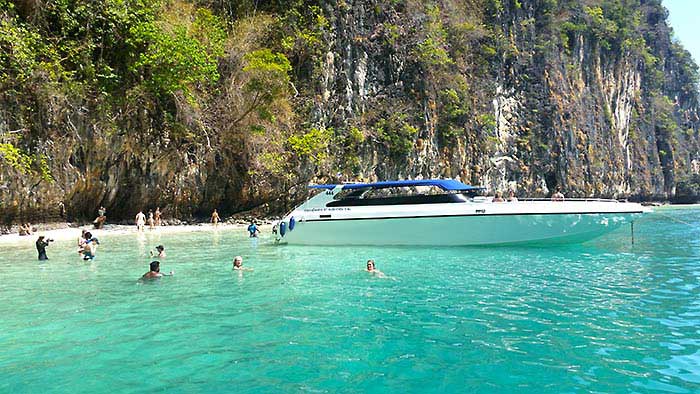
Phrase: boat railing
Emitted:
{"points": [[571, 199]]}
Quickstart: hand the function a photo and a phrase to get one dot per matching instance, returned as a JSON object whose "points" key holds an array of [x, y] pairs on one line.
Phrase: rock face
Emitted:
{"points": [[508, 94]]}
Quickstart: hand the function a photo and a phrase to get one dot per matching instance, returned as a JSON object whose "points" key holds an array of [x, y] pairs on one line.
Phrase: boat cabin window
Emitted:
{"points": [[395, 196]]}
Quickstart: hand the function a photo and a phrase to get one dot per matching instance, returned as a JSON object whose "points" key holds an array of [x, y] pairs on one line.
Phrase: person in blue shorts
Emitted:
{"points": [[253, 230]]}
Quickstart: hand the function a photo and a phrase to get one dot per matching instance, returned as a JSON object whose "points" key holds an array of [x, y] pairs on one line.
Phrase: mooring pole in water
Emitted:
{"points": [[632, 231]]}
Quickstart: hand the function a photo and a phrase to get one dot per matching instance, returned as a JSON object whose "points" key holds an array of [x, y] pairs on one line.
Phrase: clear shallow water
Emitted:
{"points": [[605, 316]]}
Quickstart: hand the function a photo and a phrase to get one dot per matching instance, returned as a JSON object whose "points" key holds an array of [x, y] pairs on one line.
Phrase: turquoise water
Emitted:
{"points": [[605, 316]]}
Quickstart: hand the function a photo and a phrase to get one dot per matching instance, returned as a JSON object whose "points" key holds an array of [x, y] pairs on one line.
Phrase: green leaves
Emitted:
{"points": [[24, 163], [312, 145], [180, 56], [396, 134], [268, 75]]}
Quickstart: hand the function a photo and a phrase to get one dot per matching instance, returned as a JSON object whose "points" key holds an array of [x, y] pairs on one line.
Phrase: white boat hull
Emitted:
{"points": [[457, 230]]}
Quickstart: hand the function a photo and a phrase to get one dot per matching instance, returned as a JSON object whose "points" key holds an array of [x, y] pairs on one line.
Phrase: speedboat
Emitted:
{"points": [[444, 212]]}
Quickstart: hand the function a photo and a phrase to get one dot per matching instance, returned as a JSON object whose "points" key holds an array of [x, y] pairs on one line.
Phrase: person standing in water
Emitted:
{"points": [[90, 246], [154, 272], [140, 221], [157, 217], [41, 245], [238, 264], [215, 218], [253, 230]]}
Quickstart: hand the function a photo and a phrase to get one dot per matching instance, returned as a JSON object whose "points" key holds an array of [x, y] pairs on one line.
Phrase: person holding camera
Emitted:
{"points": [[41, 245]]}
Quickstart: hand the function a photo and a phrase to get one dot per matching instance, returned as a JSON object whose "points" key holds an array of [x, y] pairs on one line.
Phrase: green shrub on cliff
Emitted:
{"points": [[312, 145], [180, 55]]}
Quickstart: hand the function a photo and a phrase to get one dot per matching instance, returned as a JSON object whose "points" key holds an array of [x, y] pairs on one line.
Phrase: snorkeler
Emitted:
{"points": [[41, 245], [372, 268], [238, 264], [160, 252], [154, 272]]}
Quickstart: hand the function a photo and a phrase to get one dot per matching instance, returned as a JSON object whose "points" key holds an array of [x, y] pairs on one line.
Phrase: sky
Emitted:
{"points": [[684, 17]]}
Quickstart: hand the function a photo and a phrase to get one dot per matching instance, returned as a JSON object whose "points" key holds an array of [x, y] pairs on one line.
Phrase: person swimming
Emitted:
{"points": [[238, 264], [154, 272], [372, 268], [160, 252]]}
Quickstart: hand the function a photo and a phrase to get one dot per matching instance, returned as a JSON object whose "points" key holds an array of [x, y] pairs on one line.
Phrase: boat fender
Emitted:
{"points": [[292, 223], [283, 228]]}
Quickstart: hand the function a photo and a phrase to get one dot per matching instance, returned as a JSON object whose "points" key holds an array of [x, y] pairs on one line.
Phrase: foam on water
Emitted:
{"points": [[603, 316]]}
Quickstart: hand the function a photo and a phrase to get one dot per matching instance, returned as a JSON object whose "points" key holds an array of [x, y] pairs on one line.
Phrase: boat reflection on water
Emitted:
{"points": [[444, 212]]}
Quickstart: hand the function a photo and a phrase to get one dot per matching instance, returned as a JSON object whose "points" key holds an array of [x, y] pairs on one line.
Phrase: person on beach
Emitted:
{"points": [[372, 269], [499, 197], [101, 218], [558, 195], [160, 252], [24, 229], [215, 218], [151, 220], [140, 221], [41, 245], [511, 196], [157, 217], [154, 272], [253, 230], [238, 264]]}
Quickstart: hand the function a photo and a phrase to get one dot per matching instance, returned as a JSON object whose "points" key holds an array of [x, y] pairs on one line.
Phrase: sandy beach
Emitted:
{"points": [[70, 232]]}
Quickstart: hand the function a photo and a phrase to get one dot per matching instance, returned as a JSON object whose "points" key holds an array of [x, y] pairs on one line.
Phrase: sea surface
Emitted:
{"points": [[605, 316]]}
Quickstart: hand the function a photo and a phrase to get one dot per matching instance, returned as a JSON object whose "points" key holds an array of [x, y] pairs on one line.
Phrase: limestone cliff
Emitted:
{"points": [[591, 96]]}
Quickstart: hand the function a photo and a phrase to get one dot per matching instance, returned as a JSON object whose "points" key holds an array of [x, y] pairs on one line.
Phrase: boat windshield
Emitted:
{"points": [[395, 196]]}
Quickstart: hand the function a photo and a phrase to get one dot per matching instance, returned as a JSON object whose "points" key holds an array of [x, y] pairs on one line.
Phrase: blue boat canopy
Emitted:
{"points": [[444, 184]]}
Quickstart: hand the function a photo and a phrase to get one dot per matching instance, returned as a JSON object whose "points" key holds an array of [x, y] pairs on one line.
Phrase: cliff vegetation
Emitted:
{"points": [[239, 104]]}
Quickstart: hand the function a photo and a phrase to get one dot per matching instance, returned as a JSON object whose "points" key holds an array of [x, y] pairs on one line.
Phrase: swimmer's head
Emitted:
{"points": [[88, 235], [160, 248], [155, 266], [370, 264], [238, 261]]}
